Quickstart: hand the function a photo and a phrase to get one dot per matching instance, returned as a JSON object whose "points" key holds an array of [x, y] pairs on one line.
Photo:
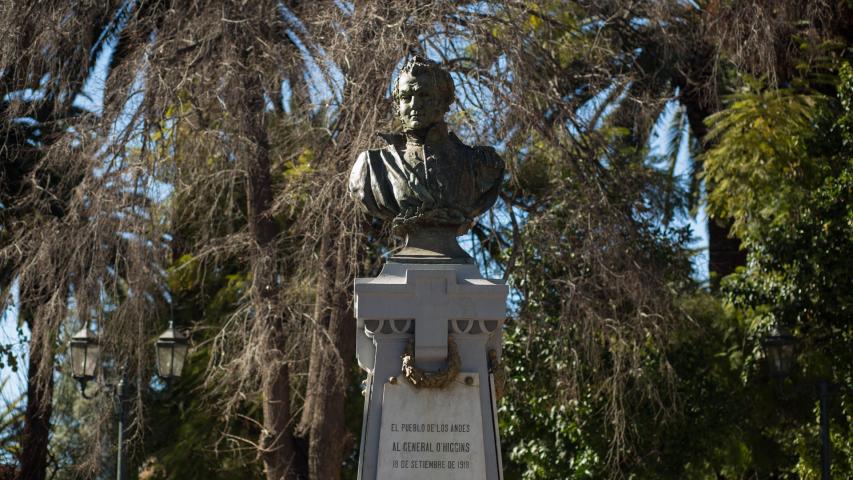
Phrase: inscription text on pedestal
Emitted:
{"points": [[432, 434]]}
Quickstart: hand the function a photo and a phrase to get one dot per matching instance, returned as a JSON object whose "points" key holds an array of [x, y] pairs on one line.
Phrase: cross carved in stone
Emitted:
{"points": [[431, 298]]}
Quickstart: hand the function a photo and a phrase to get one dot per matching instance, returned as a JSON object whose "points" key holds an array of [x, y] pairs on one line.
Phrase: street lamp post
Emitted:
{"points": [[171, 348], [823, 394], [779, 348], [122, 395]]}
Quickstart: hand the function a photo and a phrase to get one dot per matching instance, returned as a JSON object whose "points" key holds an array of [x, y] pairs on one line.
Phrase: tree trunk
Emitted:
{"points": [[276, 440], [724, 250], [278, 455], [38, 412], [323, 418]]}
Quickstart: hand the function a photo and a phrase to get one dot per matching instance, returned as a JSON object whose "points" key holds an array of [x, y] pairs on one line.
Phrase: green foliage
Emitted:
{"points": [[800, 276], [844, 124], [543, 438], [724, 428], [782, 169], [8, 354], [759, 168]]}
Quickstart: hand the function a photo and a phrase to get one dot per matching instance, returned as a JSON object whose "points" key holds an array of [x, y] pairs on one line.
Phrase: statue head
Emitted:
{"points": [[423, 94]]}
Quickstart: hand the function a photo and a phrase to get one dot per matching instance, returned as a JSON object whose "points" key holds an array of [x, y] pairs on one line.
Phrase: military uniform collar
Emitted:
{"points": [[399, 139]]}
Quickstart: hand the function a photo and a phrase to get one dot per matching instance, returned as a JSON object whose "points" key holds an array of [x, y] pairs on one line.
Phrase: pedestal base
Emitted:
{"points": [[424, 429], [432, 246]]}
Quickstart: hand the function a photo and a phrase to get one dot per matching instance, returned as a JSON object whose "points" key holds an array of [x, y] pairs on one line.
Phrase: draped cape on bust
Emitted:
{"points": [[445, 184]]}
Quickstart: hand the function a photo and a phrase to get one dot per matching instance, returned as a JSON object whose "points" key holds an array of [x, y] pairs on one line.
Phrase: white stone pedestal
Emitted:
{"points": [[429, 433]]}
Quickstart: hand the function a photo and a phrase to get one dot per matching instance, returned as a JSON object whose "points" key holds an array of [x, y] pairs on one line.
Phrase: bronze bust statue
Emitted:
{"points": [[429, 184]]}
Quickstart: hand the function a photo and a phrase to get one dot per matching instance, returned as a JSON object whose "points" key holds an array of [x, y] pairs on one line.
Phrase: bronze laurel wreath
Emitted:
{"points": [[423, 379]]}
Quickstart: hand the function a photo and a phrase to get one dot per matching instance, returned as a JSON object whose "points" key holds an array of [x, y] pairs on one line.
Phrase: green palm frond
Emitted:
{"points": [[11, 424], [672, 131]]}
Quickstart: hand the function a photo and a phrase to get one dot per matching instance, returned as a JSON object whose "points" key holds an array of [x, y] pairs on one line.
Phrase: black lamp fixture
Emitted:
{"points": [[171, 346], [85, 356], [171, 352], [779, 350]]}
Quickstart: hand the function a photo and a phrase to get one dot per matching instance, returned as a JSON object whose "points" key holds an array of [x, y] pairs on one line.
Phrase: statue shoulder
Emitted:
{"points": [[367, 164], [364, 155], [486, 155], [373, 154], [394, 142], [489, 157]]}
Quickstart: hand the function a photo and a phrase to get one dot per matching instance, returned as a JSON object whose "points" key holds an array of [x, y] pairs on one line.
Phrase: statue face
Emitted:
{"points": [[419, 102]]}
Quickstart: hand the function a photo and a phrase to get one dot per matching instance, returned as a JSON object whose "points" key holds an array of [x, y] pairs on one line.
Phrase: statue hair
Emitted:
{"points": [[418, 65]]}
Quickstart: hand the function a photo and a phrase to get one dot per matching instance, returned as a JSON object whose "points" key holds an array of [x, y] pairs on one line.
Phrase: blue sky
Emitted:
{"points": [[9, 335]]}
